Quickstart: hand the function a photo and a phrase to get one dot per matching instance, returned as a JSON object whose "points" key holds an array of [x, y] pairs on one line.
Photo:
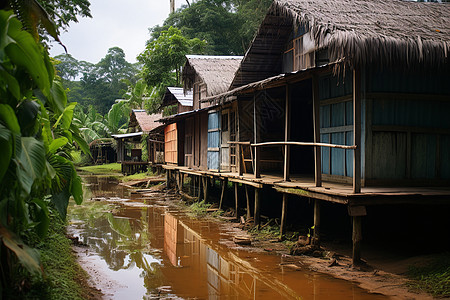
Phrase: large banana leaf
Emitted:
{"points": [[25, 52], [30, 161], [27, 256], [65, 119], [6, 144]]}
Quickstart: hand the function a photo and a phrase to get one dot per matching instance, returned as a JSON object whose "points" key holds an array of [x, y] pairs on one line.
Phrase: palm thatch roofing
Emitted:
{"points": [[381, 33], [145, 121], [175, 95], [216, 72]]}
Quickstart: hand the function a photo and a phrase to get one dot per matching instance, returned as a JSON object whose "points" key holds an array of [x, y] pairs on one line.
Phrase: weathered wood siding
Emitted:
{"points": [[171, 143], [213, 140], [336, 124]]}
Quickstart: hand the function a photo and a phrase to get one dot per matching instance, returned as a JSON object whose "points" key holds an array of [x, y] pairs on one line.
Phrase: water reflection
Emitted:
{"points": [[154, 251]]}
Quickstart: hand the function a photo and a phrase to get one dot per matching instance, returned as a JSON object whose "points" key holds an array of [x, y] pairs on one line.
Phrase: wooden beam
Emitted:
{"points": [[357, 130], [256, 164], [205, 188], [236, 199], [257, 207], [287, 133], [222, 195], [248, 202], [316, 120], [356, 238], [247, 182], [283, 214], [316, 239], [199, 188]]}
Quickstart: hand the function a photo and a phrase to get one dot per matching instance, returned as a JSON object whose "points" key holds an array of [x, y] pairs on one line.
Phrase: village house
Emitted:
{"points": [[129, 145], [187, 133], [343, 102]]}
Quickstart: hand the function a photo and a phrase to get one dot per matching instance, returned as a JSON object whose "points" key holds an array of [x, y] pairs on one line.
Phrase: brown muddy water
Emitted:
{"points": [[145, 249]]}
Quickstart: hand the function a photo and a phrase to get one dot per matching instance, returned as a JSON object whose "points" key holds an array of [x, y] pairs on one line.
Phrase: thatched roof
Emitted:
{"points": [[217, 72], [175, 95], [145, 121], [357, 32]]}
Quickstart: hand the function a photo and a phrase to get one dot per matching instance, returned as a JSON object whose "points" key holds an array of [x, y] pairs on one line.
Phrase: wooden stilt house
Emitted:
{"points": [[129, 145], [198, 132], [341, 101]]}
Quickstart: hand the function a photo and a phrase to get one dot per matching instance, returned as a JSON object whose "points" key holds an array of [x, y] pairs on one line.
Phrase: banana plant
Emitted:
{"points": [[36, 134]]}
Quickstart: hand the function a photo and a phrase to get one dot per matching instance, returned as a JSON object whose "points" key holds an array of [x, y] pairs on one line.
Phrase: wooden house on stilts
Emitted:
{"points": [[338, 101]]}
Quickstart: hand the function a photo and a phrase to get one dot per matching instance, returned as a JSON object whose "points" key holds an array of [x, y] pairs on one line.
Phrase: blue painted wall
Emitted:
{"points": [[213, 141]]}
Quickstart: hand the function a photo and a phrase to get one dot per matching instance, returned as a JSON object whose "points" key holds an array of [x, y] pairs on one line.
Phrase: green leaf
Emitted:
{"points": [[77, 188], [6, 144], [28, 257], [10, 82], [41, 217], [8, 117], [27, 113], [30, 162], [65, 119], [58, 97], [56, 144], [80, 141], [26, 52], [61, 201]]}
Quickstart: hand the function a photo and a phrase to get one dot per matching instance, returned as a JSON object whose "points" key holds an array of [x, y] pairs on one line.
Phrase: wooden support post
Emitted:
{"points": [[257, 207], [316, 239], [316, 120], [236, 199], [357, 130], [356, 238], [222, 195], [287, 129], [167, 179], [256, 164], [248, 202], [283, 214], [239, 159], [205, 188], [200, 188]]}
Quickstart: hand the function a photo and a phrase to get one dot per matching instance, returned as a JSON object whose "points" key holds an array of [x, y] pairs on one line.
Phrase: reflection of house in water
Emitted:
{"points": [[225, 274]]}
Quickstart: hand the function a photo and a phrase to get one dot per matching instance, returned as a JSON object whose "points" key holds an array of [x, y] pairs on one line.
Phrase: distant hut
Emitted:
{"points": [[103, 151], [129, 145]]}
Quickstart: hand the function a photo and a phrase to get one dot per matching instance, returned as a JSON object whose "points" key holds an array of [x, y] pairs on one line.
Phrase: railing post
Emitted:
{"points": [[357, 130], [287, 127], [256, 165], [316, 120]]}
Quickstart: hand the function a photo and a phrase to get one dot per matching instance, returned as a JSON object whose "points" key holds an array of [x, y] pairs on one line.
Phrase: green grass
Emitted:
{"points": [[434, 278], [64, 278], [199, 208], [137, 176], [103, 169]]}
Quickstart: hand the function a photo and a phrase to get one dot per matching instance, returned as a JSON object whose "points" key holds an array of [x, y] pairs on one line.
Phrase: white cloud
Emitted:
{"points": [[114, 23]]}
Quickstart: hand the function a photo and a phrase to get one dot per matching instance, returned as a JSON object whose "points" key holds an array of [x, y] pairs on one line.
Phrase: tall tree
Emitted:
{"points": [[162, 60], [227, 25]]}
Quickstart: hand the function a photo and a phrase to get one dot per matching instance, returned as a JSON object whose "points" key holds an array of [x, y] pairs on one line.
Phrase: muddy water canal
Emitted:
{"points": [[141, 248]]}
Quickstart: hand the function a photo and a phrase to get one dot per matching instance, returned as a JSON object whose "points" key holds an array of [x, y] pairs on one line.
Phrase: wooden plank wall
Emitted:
{"points": [[170, 143]]}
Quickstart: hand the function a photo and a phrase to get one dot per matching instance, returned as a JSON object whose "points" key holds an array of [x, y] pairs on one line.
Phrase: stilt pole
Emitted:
{"points": [[316, 240], [257, 207], [283, 214]]}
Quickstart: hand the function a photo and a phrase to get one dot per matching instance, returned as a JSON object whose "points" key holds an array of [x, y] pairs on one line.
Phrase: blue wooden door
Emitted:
{"points": [[213, 140]]}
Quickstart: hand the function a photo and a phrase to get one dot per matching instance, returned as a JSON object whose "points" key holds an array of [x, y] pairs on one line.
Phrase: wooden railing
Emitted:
{"points": [[256, 159]]}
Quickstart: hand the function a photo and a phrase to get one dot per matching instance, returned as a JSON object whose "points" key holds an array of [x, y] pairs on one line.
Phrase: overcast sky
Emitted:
{"points": [[114, 23]]}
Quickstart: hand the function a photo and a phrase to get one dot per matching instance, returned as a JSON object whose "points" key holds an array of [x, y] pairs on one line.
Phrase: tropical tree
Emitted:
{"points": [[162, 60], [36, 137]]}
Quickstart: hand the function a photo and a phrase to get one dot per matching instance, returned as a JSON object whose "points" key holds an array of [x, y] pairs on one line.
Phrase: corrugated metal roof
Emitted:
{"points": [[185, 99], [126, 135]]}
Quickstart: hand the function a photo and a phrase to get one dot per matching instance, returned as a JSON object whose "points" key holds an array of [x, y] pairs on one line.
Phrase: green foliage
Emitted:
{"points": [[434, 278], [199, 208], [162, 60], [103, 169], [226, 26], [36, 136]]}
